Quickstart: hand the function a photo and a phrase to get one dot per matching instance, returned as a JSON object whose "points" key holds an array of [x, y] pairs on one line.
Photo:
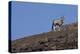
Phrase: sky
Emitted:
{"points": [[34, 18]]}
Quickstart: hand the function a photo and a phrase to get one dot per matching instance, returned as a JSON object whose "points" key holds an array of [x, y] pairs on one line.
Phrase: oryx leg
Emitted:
{"points": [[54, 28], [58, 28]]}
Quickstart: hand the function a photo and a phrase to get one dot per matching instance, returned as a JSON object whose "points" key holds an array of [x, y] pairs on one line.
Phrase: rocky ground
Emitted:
{"points": [[67, 38]]}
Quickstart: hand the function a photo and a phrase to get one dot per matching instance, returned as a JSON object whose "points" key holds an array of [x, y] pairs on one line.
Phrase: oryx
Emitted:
{"points": [[57, 23]]}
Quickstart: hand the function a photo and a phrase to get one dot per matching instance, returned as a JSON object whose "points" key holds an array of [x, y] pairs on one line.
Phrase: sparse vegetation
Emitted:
{"points": [[67, 38]]}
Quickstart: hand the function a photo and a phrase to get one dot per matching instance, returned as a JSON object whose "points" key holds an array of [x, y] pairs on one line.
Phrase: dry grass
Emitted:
{"points": [[67, 38]]}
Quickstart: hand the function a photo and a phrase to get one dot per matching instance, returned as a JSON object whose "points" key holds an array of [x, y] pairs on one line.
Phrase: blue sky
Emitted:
{"points": [[33, 18]]}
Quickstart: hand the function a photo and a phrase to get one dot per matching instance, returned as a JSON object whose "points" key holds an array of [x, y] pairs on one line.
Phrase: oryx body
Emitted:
{"points": [[56, 24]]}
